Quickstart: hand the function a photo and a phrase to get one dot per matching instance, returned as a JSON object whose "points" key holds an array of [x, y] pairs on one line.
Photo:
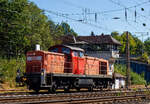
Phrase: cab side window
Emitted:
{"points": [[54, 50], [78, 54], [75, 53], [81, 54], [65, 50]]}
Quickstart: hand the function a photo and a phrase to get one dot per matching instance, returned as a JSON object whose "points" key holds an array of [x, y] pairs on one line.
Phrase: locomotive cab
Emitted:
{"points": [[74, 58]]}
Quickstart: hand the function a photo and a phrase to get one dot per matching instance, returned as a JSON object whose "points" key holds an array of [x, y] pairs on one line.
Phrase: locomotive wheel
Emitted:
{"points": [[78, 89], [66, 88], [76, 83], [36, 90], [101, 88], [90, 88], [53, 88]]}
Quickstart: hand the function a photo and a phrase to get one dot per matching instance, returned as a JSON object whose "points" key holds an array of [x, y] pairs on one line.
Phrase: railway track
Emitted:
{"points": [[28, 92], [80, 97], [14, 92]]}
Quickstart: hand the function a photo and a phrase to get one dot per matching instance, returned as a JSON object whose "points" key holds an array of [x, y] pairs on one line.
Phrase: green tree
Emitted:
{"points": [[11, 27], [139, 48], [144, 58], [147, 45], [131, 41], [116, 35], [136, 45], [67, 30], [23, 25]]}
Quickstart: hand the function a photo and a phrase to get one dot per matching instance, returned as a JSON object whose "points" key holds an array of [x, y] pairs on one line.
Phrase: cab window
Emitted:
{"points": [[66, 50], [75, 53], [54, 50], [81, 54]]}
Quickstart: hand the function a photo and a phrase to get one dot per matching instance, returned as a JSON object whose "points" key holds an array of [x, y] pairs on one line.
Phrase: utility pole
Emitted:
{"points": [[128, 61]]}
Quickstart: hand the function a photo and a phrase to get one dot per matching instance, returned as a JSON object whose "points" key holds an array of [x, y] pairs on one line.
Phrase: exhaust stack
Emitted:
{"points": [[37, 47]]}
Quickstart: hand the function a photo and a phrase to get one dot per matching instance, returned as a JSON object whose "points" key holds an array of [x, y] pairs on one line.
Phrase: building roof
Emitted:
{"points": [[118, 75], [70, 47], [99, 39]]}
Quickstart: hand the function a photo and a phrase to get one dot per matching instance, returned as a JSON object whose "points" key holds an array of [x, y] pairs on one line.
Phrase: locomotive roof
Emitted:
{"points": [[70, 47], [74, 48]]}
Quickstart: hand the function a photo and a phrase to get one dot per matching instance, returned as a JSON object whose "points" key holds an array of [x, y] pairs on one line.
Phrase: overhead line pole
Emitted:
{"points": [[128, 83]]}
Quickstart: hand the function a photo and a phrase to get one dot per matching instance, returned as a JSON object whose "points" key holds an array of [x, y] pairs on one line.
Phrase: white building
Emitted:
{"points": [[119, 81]]}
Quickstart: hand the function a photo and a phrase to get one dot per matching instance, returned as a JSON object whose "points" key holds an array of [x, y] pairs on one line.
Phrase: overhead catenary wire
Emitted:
{"points": [[135, 12], [137, 5], [128, 8], [110, 11], [80, 21]]}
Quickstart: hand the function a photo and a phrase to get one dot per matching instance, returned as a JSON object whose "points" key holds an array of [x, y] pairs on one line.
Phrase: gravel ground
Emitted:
{"points": [[135, 102]]}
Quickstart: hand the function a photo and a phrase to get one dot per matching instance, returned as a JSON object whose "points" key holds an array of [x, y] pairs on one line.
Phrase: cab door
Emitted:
{"points": [[81, 62], [68, 60], [75, 62], [78, 62]]}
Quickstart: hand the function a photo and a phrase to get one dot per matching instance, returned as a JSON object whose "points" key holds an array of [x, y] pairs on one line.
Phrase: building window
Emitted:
{"points": [[108, 47], [115, 47]]}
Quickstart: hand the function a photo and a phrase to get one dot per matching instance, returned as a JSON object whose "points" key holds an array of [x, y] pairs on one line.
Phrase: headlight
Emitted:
{"points": [[24, 79], [42, 73]]}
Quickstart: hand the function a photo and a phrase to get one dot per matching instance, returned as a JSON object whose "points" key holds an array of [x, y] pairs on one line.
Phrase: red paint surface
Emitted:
{"points": [[61, 63], [51, 62]]}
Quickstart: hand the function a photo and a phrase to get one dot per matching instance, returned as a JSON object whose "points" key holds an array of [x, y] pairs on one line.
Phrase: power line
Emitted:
{"points": [[110, 11], [128, 8], [139, 4], [91, 13], [80, 21]]}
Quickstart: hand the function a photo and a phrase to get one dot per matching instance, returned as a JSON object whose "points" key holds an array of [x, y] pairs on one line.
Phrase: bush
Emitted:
{"points": [[135, 78], [144, 58], [8, 69]]}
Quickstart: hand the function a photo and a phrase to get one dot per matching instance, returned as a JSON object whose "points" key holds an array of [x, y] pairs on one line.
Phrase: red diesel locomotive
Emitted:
{"points": [[66, 67]]}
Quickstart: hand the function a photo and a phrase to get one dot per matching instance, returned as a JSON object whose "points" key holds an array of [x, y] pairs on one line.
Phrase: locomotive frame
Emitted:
{"points": [[52, 82]]}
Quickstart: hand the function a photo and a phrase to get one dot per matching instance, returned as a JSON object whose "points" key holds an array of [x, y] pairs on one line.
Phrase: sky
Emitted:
{"points": [[100, 16]]}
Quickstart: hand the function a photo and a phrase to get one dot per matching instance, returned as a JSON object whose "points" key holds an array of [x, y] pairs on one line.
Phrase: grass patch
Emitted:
{"points": [[8, 70]]}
